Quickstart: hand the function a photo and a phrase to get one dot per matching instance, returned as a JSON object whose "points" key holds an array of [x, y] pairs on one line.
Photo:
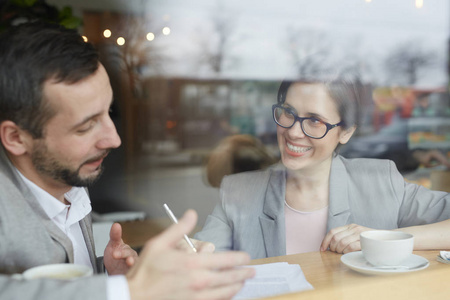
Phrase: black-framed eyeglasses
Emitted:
{"points": [[312, 127]]}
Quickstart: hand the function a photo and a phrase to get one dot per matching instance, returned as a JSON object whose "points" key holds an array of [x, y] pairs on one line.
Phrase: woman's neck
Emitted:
{"points": [[308, 190]]}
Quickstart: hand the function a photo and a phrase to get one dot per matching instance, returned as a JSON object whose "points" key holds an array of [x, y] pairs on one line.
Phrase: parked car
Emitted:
{"points": [[391, 142]]}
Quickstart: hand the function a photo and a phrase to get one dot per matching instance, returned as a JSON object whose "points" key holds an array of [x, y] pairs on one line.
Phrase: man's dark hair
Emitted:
{"points": [[31, 54]]}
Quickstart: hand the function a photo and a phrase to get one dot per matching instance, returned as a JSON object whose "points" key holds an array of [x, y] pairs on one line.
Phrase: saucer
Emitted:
{"points": [[357, 262]]}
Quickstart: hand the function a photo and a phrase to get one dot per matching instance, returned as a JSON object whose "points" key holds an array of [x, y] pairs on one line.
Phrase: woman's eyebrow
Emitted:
{"points": [[307, 114], [317, 116], [286, 105]]}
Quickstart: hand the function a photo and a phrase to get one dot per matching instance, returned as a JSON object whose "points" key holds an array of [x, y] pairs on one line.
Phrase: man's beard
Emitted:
{"points": [[47, 165]]}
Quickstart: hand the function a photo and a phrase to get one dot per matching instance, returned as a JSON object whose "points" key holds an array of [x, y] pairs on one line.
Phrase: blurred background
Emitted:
{"points": [[188, 74]]}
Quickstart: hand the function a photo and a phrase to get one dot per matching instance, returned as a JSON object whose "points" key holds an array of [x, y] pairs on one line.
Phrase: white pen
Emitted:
{"points": [[174, 219]]}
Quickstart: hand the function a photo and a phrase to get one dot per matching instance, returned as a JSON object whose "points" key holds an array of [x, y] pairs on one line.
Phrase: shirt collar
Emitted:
{"points": [[77, 196]]}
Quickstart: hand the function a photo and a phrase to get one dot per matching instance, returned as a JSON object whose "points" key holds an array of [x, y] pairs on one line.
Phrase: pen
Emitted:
{"points": [[174, 219]]}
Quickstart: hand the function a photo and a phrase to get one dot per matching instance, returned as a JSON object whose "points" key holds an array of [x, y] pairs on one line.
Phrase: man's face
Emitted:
{"points": [[80, 135]]}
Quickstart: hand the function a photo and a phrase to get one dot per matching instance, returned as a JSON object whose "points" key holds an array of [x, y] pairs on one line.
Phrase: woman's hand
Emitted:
{"points": [[343, 239], [202, 247]]}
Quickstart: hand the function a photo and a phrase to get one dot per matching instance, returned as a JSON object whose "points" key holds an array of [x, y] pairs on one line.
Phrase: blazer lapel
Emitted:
{"points": [[272, 222], [339, 209], [86, 229], [28, 198], [51, 228]]}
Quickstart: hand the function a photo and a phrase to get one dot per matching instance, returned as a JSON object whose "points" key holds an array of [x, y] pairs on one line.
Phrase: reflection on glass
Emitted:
{"points": [[213, 68], [236, 154]]}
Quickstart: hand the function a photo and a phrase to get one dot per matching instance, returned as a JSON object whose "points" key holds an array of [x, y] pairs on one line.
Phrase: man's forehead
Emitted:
{"points": [[77, 101]]}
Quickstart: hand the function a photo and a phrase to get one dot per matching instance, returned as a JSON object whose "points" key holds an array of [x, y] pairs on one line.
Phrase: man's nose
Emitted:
{"points": [[110, 138]]}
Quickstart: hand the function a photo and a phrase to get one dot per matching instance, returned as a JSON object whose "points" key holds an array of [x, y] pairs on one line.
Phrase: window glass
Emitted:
{"points": [[187, 74]]}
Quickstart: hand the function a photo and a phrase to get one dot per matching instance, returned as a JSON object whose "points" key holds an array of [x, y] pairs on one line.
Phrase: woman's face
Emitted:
{"points": [[299, 151]]}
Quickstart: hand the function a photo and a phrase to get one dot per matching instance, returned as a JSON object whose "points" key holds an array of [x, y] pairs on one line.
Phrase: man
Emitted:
{"points": [[55, 131]]}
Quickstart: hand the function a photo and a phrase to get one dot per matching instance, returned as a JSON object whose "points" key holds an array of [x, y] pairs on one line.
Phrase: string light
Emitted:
{"points": [[150, 36], [85, 38], [107, 33], [120, 41], [166, 30]]}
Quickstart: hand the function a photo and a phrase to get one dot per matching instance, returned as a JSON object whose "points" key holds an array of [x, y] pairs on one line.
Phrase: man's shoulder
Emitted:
{"points": [[6, 171], [7, 184]]}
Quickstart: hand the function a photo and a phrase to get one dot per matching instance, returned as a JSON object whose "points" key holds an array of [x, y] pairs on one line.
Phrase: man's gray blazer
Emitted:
{"points": [[368, 192], [28, 238]]}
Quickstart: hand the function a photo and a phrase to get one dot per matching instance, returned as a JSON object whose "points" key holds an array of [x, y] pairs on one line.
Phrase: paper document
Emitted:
{"points": [[274, 279]]}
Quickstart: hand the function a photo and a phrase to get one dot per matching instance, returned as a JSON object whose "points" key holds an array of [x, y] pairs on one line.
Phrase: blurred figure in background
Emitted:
{"points": [[236, 154], [430, 158]]}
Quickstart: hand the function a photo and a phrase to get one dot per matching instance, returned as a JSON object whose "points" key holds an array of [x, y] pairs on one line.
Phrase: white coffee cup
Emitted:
{"points": [[58, 271], [386, 248]]}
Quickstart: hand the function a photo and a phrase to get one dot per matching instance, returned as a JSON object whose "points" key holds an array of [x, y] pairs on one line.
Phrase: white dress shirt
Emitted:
{"points": [[67, 218]]}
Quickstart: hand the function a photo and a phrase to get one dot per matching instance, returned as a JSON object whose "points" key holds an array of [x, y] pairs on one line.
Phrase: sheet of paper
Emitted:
{"points": [[274, 279]]}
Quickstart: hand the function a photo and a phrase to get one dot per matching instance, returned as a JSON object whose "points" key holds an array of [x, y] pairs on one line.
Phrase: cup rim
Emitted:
{"points": [[84, 269], [397, 235]]}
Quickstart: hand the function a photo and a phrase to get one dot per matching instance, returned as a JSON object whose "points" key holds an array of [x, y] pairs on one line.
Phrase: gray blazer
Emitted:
{"points": [[368, 192], [28, 238]]}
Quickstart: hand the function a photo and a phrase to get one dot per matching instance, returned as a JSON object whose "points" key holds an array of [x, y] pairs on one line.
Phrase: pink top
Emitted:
{"points": [[304, 230]]}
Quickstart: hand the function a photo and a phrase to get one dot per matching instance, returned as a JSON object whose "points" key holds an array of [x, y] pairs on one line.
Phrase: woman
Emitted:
{"points": [[317, 200]]}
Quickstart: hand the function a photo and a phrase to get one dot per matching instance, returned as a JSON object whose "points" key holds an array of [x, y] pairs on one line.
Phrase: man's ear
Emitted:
{"points": [[14, 139], [346, 134]]}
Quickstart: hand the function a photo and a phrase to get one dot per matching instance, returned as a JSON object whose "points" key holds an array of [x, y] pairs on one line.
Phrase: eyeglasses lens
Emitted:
{"points": [[283, 117], [310, 127]]}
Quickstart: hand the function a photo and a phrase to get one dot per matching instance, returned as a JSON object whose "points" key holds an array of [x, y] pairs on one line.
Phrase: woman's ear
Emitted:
{"points": [[346, 134], [14, 139]]}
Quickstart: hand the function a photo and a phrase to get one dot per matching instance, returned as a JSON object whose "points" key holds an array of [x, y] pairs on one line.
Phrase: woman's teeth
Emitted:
{"points": [[298, 149]]}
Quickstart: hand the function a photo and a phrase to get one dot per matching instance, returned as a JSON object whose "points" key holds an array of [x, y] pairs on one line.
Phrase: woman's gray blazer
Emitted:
{"points": [[368, 192]]}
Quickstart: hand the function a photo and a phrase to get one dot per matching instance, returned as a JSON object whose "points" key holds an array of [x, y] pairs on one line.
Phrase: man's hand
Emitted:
{"points": [[343, 239], [166, 272], [118, 256]]}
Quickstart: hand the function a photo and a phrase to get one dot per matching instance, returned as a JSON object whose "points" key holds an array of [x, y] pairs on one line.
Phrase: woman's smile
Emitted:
{"points": [[297, 149]]}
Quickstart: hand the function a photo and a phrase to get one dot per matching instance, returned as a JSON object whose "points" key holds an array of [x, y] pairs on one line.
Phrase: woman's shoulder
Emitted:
{"points": [[365, 163], [363, 171], [253, 177], [250, 187]]}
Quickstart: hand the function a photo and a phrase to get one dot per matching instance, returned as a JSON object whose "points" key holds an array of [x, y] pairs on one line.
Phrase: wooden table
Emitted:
{"points": [[136, 233], [331, 279]]}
